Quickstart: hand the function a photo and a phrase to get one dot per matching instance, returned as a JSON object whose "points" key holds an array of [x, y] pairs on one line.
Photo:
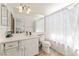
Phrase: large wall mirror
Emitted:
{"points": [[4, 19], [4, 15]]}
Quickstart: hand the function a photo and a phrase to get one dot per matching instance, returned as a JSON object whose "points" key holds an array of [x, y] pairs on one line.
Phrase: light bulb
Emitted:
{"points": [[28, 10], [20, 8]]}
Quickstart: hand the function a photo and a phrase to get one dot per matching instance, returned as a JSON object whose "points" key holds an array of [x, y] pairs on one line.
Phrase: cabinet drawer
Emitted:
{"points": [[1, 46], [12, 52], [11, 45]]}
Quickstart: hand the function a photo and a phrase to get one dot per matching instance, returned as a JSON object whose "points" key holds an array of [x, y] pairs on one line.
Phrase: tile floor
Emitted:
{"points": [[52, 53]]}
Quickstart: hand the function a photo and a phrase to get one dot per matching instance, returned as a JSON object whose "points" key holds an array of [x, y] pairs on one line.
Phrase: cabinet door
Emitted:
{"points": [[1, 53], [1, 49], [30, 46]]}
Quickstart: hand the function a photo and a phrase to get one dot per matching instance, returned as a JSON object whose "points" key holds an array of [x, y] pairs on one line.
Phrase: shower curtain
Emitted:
{"points": [[62, 28]]}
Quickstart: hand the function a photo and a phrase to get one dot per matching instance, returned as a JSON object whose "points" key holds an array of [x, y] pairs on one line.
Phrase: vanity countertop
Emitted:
{"points": [[17, 37]]}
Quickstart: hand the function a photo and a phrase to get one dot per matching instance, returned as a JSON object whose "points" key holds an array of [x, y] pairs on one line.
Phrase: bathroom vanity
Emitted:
{"points": [[19, 45]]}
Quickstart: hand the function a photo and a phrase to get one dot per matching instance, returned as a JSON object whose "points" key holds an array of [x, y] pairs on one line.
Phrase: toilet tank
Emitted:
{"points": [[41, 34]]}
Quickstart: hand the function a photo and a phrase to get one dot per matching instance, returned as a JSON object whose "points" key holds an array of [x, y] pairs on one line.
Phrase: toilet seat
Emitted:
{"points": [[46, 43]]}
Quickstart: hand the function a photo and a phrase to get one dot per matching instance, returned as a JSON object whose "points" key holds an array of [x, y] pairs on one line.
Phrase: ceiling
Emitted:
{"points": [[38, 9]]}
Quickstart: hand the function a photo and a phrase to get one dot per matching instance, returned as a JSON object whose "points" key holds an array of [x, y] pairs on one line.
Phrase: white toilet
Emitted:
{"points": [[45, 44]]}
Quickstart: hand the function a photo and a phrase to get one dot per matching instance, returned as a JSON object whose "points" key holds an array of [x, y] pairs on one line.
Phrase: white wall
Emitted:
{"points": [[9, 20], [39, 25]]}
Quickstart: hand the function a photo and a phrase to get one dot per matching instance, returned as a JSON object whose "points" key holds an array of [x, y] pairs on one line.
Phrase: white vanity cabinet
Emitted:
{"points": [[23, 46], [1, 49], [30, 47]]}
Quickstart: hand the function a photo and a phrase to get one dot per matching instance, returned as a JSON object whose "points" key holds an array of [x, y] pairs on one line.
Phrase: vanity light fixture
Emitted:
{"points": [[22, 8]]}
